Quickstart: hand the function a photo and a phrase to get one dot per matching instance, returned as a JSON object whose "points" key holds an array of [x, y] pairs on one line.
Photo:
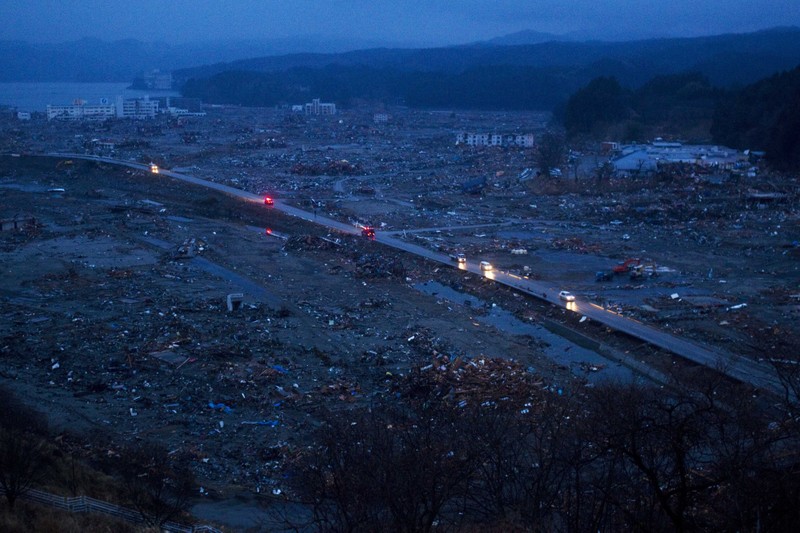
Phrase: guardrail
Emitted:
{"points": [[85, 504]]}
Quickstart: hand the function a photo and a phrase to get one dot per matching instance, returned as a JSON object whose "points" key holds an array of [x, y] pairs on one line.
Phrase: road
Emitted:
{"points": [[450, 228], [757, 374]]}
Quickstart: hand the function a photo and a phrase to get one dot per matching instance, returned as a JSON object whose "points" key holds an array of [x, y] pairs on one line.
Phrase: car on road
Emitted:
{"points": [[368, 232], [459, 258], [566, 296], [486, 266], [268, 200]]}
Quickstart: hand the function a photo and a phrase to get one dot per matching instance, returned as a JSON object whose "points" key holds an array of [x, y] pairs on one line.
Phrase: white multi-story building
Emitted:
{"points": [[157, 80], [473, 139], [525, 140], [80, 110], [136, 108], [139, 108], [315, 107]]}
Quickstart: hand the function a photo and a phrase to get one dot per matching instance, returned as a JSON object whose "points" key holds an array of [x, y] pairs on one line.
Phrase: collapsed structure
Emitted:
{"points": [[644, 158]]}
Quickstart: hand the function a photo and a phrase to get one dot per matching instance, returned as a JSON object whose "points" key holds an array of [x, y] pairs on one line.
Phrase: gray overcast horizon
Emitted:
{"points": [[397, 22]]}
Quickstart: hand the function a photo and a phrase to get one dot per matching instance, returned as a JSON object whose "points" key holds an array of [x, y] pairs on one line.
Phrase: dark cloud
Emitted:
{"points": [[395, 21]]}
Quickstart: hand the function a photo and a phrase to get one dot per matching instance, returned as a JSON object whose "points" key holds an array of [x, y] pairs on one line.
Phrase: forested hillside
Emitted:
{"points": [[538, 76], [764, 116], [487, 87], [677, 105]]}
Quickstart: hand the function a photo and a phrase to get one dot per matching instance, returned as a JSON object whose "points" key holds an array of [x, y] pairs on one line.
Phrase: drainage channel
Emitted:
{"points": [[580, 359]]}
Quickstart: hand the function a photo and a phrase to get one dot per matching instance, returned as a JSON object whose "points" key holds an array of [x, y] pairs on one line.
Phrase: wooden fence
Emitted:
{"points": [[84, 504]]}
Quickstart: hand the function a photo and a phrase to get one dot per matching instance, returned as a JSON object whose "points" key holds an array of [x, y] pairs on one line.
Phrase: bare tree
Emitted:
{"points": [[760, 449], [336, 477], [23, 460], [159, 484], [625, 426], [627, 457], [386, 469], [603, 173], [788, 373], [551, 151], [693, 459]]}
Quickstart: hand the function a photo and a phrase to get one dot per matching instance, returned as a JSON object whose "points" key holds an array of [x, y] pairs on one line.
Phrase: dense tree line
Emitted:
{"points": [[601, 102], [734, 59], [499, 453], [156, 482], [764, 116], [484, 87], [24, 461], [674, 103], [538, 76], [622, 458]]}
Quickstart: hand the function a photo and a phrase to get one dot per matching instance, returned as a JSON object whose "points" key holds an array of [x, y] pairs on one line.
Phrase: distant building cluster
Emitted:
{"points": [[644, 158], [158, 81], [315, 107], [81, 110], [523, 140], [126, 108]]}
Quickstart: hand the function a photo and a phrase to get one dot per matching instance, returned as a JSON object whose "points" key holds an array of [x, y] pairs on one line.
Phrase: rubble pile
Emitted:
{"points": [[190, 248], [379, 266], [260, 142], [341, 389], [576, 244], [309, 242], [425, 343], [139, 342], [488, 382], [339, 167]]}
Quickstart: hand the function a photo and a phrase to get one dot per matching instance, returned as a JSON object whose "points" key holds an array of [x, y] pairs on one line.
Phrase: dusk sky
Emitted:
{"points": [[411, 22]]}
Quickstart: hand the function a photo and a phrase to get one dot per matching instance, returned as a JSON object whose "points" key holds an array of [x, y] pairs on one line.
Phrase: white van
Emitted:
{"points": [[486, 266]]}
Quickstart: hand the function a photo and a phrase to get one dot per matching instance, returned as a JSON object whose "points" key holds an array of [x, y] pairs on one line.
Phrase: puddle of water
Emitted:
{"points": [[581, 361], [25, 187]]}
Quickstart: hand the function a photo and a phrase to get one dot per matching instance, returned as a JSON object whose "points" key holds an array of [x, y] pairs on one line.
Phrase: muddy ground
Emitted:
{"points": [[115, 315], [116, 320]]}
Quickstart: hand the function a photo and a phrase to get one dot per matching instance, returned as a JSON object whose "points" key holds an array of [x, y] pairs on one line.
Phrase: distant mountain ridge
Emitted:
{"points": [[526, 37], [538, 76], [731, 59], [525, 70], [95, 60]]}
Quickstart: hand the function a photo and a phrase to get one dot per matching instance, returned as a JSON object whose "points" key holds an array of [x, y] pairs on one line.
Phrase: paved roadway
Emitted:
{"points": [[760, 375]]}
